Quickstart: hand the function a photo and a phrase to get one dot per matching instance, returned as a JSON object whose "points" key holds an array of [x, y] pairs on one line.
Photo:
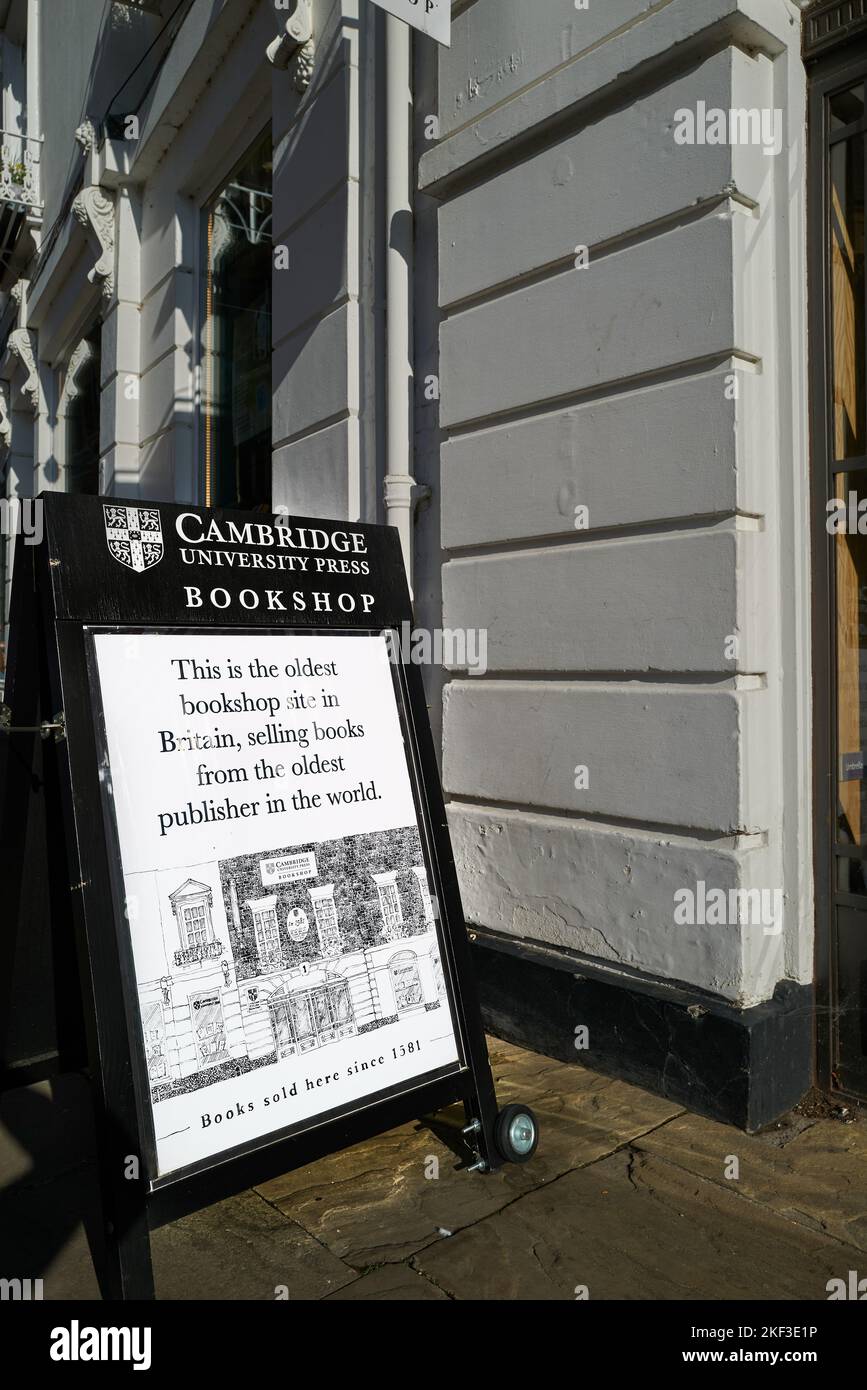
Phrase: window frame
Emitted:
{"points": [[204, 479]]}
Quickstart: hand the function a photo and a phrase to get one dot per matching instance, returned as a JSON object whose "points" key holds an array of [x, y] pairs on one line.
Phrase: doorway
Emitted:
{"points": [[837, 67]]}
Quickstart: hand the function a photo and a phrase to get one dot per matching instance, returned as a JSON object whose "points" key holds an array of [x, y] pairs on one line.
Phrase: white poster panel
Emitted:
{"points": [[286, 957], [432, 17]]}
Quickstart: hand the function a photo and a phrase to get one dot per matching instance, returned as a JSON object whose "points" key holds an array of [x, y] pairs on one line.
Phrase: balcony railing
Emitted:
{"points": [[194, 955], [19, 169]]}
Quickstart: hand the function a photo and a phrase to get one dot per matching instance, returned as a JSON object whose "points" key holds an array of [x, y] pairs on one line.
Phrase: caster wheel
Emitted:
{"points": [[516, 1133]]}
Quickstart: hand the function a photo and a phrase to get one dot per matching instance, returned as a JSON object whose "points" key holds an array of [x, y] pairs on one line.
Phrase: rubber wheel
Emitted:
{"points": [[516, 1133]]}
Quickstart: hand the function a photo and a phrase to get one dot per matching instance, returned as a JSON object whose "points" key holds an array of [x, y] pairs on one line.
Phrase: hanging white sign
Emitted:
{"points": [[432, 17]]}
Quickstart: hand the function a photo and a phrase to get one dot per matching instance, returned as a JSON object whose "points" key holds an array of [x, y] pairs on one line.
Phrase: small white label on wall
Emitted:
{"points": [[432, 17]]}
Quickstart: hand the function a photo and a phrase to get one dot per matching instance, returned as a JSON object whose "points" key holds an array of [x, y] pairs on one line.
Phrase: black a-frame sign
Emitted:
{"points": [[251, 849]]}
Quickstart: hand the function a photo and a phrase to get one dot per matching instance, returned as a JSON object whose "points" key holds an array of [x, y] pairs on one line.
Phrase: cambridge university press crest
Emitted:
{"points": [[134, 536]]}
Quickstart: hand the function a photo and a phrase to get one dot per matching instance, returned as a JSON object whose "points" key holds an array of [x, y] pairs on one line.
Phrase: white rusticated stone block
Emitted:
{"points": [[310, 476], [165, 317], [679, 602], [699, 291], [322, 264], [165, 391], [498, 49], [121, 341], [618, 174], [573, 76], [310, 159], [609, 893], [316, 374], [682, 449], [678, 755]]}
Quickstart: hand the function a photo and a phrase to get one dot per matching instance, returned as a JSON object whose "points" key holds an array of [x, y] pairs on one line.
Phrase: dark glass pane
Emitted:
{"points": [[237, 338], [82, 424], [847, 296], [849, 524], [850, 1070], [847, 107], [852, 876]]}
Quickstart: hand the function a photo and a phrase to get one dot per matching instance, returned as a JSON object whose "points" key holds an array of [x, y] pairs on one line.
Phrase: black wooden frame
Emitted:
{"points": [[88, 863], [833, 71]]}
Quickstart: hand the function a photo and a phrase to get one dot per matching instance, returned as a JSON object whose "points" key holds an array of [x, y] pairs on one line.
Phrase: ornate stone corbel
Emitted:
{"points": [[95, 209], [296, 41], [86, 136], [5, 422], [77, 362], [22, 342], [304, 66]]}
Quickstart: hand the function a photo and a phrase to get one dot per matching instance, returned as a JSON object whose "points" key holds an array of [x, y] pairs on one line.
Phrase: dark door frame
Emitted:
{"points": [[834, 62]]}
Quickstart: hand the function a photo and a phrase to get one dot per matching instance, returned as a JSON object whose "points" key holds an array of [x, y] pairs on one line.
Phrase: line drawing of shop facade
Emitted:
{"points": [[266, 957]]}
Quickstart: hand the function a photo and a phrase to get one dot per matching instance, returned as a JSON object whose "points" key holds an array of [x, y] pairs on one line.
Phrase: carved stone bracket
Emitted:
{"points": [[77, 362], [296, 42], [304, 66], [86, 136], [5, 422], [95, 209], [22, 342]]}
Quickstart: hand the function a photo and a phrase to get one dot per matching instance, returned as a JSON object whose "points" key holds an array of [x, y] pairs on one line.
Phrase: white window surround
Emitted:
{"points": [[389, 901], [327, 924], [424, 890], [191, 906], [264, 914]]}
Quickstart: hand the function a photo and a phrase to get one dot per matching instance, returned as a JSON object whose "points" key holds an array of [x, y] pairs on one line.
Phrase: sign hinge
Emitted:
{"points": [[55, 726]]}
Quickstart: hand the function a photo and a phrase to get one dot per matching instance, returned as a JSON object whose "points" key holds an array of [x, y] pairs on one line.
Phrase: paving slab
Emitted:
{"points": [[390, 1283], [45, 1129], [818, 1178], [43, 1234], [242, 1249], [634, 1226], [384, 1200]]}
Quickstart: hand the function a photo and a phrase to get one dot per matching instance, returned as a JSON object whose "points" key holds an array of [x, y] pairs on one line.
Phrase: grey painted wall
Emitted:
{"points": [[660, 387]]}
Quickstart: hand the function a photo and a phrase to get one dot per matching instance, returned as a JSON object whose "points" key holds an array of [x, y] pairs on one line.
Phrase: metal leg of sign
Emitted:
{"points": [[124, 1266], [39, 974], [122, 1246], [17, 772], [122, 1256]]}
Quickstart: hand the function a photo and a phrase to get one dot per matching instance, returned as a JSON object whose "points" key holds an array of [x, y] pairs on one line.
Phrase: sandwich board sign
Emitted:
{"points": [[255, 858], [431, 17]]}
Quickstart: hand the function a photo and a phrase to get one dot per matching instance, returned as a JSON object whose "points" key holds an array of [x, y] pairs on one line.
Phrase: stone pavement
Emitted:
{"points": [[627, 1196]]}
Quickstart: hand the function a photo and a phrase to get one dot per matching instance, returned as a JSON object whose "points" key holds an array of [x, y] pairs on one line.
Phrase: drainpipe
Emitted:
{"points": [[33, 131], [401, 493]]}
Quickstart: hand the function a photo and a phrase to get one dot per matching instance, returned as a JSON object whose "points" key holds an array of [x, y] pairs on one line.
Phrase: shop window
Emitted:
{"points": [[439, 978], [153, 1028], [236, 347], [310, 1018], [209, 1029], [406, 980]]}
